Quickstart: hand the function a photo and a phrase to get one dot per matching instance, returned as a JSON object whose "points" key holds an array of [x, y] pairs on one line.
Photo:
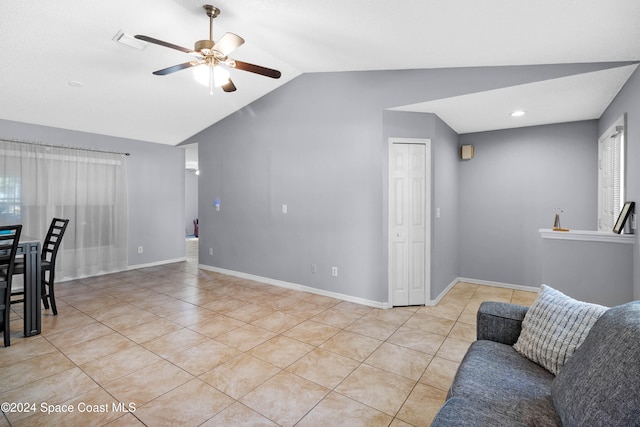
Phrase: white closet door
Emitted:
{"points": [[408, 194]]}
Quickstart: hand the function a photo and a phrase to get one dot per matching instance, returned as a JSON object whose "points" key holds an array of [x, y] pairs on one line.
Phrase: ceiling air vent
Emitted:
{"points": [[130, 41]]}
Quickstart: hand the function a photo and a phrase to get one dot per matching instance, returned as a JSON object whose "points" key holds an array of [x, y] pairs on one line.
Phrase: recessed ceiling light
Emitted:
{"points": [[518, 113], [75, 83]]}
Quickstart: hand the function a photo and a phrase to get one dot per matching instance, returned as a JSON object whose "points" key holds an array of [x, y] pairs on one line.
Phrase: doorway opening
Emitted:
{"points": [[192, 224]]}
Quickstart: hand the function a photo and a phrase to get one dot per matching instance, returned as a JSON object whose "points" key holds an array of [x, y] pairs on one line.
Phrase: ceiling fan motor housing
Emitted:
{"points": [[203, 44]]}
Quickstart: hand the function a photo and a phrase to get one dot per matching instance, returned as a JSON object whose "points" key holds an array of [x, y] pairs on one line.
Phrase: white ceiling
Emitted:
{"points": [[46, 44], [566, 99]]}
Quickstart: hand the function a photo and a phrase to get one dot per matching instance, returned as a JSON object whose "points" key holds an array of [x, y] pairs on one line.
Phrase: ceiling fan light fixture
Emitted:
{"points": [[202, 74], [220, 76], [211, 76]]}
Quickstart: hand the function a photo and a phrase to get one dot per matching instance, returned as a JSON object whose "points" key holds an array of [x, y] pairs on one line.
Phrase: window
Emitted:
{"points": [[611, 174], [39, 182], [10, 199]]}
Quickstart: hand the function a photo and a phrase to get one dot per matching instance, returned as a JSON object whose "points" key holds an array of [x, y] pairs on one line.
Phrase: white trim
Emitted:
{"points": [[157, 263], [129, 268], [498, 284], [443, 293], [589, 236], [482, 283], [295, 286]]}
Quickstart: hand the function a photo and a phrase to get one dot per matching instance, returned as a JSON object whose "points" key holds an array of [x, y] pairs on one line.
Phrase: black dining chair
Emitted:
{"points": [[9, 238], [47, 264]]}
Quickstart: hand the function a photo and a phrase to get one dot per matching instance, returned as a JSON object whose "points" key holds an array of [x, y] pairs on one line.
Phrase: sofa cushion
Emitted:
{"points": [[458, 412], [497, 377], [600, 385], [554, 327], [500, 321]]}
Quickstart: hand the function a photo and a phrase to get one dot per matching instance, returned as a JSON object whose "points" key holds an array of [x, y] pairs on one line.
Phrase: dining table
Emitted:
{"points": [[30, 248]]}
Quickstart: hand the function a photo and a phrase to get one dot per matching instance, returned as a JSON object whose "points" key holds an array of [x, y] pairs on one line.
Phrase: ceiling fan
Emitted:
{"points": [[212, 55]]}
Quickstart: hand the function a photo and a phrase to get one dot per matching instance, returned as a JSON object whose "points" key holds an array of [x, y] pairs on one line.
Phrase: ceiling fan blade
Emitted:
{"points": [[175, 68], [229, 86], [245, 66], [228, 43], [161, 43]]}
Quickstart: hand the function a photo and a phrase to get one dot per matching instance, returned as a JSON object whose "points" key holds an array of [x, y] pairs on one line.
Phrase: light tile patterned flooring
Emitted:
{"points": [[190, 347]]}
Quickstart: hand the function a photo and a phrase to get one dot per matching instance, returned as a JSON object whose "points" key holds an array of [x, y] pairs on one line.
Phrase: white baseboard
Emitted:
{"points": [[443, 293], [498, 284], [480, 282], [296, 287], [362, 301], [128, 268], [157, 263]]}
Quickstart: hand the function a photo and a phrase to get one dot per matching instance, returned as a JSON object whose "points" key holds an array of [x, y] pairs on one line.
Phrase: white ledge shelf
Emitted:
{"points": [[586, 235]]}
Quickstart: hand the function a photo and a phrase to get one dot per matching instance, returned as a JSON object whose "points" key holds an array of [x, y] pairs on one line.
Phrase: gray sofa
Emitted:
{"points": [[598, 386]]}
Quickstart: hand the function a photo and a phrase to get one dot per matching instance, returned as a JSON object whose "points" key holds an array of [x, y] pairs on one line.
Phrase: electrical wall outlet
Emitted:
{"points": [[210, 251], [314, 268], [334, 271], [140, 249]]}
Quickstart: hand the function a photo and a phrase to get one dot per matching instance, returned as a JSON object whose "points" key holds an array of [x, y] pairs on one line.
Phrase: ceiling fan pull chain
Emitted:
{"points": [[211, 78]]}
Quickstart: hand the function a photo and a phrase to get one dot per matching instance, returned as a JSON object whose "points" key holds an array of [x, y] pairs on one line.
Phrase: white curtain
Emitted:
{"points": [[40, 182]]}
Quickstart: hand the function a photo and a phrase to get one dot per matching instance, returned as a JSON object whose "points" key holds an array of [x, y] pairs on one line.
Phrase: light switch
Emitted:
{"points": [[285, 209]]}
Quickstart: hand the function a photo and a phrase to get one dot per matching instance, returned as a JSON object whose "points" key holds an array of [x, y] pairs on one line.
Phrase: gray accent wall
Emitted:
{"points": [[156, 186], [628, 101], [511, 189]]}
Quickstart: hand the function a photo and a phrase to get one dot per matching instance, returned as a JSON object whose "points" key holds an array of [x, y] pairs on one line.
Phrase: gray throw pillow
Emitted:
{"points": [[554, 327]]}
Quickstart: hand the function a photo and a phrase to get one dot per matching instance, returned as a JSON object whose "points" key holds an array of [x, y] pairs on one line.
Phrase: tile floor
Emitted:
{"points": [[174, 345]]}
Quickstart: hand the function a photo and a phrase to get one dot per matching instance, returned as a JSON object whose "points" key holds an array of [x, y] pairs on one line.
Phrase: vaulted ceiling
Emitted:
{"points": [[60, 65]]}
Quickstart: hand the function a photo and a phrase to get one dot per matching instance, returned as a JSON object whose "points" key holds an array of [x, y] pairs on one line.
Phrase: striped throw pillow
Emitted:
{"points": [[554, 327]]}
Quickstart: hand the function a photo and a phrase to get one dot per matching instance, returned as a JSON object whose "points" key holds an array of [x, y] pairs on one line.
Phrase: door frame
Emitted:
{"points": [[428, 186]]}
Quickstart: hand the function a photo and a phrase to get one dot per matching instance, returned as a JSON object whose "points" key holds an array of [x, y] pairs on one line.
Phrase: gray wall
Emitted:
{"points": [[155, 178], [628, 101], [445, 239], [511, 189], [319, 145], [596, 272], [324, 163]]}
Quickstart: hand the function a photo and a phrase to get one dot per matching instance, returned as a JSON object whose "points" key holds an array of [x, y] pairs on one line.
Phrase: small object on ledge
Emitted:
{"points": [[556, 221]]}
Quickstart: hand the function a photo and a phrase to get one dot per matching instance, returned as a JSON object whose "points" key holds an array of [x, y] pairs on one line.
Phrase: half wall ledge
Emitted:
{"points": [[589, 236]]}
